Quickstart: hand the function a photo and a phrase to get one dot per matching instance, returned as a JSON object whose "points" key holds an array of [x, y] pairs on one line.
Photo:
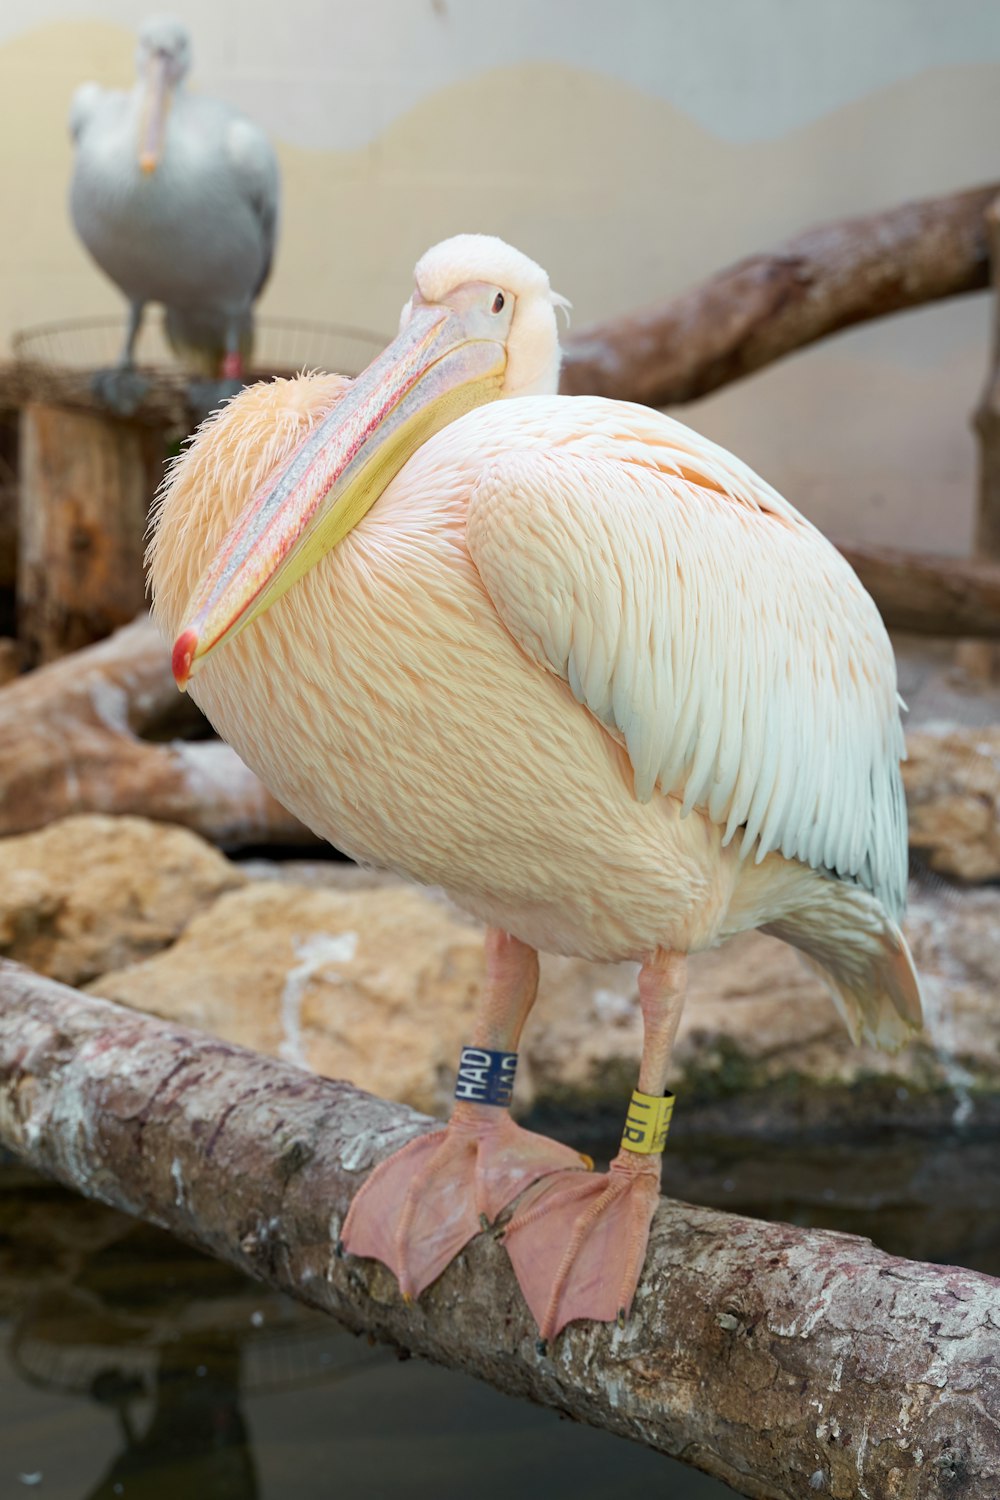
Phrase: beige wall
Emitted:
{"points": [[632, 148]]}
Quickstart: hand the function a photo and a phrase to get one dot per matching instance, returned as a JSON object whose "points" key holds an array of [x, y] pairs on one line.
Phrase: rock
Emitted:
{"points": [[379, 985], [375, 986], [91, 893], [758, 1022], [952, 780], [330, 874]]}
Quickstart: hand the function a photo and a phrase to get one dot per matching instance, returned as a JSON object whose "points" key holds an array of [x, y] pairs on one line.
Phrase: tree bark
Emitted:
{"points": [[769, 305], [785, 1361], [86, 484], [69, 742], [165, 407], [987, 417], [930, 595]]}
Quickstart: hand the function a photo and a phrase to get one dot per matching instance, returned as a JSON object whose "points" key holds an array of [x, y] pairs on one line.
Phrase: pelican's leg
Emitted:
{"points": [[204, 396], [122, 388], [132, 327], [578, 1244], [232, 358], [423, 1205]]}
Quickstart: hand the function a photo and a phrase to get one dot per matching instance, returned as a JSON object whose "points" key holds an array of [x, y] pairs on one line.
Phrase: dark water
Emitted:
{"points": [[133, 1366]]}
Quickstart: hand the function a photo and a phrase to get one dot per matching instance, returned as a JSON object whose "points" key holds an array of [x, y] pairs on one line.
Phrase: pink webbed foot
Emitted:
{"points": [[425, 1203], [578, 1244]]}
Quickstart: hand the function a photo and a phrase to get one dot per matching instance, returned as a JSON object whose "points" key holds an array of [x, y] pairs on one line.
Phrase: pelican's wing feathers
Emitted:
{"points": [[252, 157], [707, 625], [87, 99]]}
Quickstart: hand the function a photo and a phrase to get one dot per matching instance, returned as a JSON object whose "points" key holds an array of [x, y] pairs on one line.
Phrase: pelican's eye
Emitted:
{"points": [[498, 302]]}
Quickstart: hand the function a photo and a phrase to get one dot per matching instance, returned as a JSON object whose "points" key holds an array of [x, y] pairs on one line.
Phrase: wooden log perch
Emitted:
{"points": [[939, 596], [769, 305], [785, 1361], [69, 743]]}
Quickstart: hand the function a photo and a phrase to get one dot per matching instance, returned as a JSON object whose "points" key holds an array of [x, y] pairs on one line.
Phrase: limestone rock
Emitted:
{"points": [[952, 780], [90, 893], [755, 1005], [757, 1017], [375, 986], [379, 985]]}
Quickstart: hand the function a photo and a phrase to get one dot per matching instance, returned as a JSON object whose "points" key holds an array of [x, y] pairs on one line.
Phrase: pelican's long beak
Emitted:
{"points": [[442, 364], [157, 103]]}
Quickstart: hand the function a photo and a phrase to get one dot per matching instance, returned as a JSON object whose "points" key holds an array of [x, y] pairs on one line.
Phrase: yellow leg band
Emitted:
{"points": [[647, 1123]]}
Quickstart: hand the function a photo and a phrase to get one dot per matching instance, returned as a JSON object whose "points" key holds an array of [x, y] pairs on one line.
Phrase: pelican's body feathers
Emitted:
{"points": [[584, 670]]}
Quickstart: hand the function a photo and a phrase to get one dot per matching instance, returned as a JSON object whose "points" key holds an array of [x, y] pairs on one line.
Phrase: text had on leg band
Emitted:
{"points": [[486, 1077], [647, 1123]]}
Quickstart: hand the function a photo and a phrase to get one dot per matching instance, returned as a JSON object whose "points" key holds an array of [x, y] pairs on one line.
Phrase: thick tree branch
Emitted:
{"points": [[785, 1361], [769, 305], [939, 596], [69, 743]]}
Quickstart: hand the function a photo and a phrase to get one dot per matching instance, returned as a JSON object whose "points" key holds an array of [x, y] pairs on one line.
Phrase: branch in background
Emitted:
{"points": [[69, 742], [769, 305], [987, 419], [783, 1360], [939, 596]]}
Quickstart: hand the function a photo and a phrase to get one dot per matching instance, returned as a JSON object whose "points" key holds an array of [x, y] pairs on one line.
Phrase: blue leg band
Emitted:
{"points": [[486, 1077]]}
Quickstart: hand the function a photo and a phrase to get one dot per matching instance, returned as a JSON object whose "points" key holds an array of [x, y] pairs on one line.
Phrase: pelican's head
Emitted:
{"points": [[162, 58], [480, 326], [479, 267]]}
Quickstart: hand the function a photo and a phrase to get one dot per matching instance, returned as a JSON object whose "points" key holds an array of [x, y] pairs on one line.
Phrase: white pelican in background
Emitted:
{"points": [[573, 663], [176, 198]]}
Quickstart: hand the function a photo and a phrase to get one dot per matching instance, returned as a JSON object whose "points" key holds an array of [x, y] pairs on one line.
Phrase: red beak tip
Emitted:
{"points": [[182, 656]]}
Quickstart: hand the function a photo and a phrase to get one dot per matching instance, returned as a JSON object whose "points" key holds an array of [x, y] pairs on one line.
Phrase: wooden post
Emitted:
{"points": [[8, 505], [87, 481]]}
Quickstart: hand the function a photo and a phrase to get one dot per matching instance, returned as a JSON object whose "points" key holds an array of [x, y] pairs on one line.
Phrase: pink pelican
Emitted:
{"points": [[575, 664]]}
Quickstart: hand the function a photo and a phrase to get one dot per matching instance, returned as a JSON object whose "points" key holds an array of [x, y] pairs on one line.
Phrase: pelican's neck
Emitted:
{"points": [[544, 383]]}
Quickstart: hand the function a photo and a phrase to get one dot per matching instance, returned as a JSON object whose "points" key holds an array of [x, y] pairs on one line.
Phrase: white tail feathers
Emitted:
{"points": [[865, 961]]}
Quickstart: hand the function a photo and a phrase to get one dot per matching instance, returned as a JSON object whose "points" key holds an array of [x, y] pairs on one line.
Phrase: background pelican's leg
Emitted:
{"points": [[132, 327], [121, 387], [419, 1208], [578, 1245], [232, 354], [205, 395]]}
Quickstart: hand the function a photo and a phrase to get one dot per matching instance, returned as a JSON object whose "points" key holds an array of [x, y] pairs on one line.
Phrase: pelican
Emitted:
{"points": [[176, 199], [578, 666]]}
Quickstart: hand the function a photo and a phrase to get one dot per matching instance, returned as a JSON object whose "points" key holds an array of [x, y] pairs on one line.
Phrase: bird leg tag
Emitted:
{"points": [[486, 1077], [647, 1123]]}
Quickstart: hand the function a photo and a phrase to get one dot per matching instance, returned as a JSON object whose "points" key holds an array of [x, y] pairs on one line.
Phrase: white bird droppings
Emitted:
{"points": [[313, 954], [177, 1173]]}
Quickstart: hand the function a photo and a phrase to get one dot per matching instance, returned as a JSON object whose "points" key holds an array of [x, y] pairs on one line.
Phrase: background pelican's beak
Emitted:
{"points": [[439, 367], [157, 103]]}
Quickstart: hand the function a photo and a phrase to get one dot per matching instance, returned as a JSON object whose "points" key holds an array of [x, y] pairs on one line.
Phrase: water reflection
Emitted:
{"points": [[138, 1368], [196, 1440]]}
